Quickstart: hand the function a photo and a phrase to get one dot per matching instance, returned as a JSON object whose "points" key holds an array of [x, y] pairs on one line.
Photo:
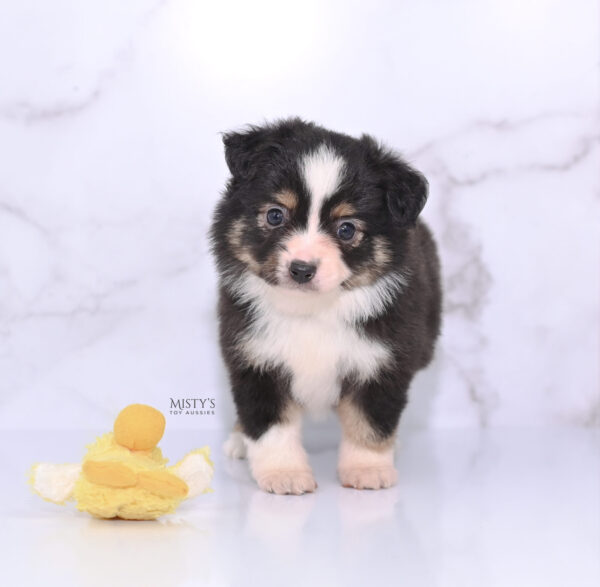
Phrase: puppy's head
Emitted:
{"points": [[313, 210]]}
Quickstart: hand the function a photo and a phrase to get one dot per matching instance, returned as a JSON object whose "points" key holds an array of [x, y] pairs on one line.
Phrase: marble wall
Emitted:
{"points": [[110, 114]]}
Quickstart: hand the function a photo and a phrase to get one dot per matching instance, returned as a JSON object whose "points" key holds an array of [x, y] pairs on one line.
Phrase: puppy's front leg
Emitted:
{"points": [[369, 417], [272, 426], [278, 461]]}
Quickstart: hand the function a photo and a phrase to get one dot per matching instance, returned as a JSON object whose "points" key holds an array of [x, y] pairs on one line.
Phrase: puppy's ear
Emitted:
{"points": [[242, 149], [260, 146], [405, 188], [406, 193]]}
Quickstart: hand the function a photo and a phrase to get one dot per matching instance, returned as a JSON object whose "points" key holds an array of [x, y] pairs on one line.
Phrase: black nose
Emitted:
{"points": [[301, 271]]}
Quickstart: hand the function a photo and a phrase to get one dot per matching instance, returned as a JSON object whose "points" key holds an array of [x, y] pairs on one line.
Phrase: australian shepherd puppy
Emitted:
{"points": [[329, 297]]}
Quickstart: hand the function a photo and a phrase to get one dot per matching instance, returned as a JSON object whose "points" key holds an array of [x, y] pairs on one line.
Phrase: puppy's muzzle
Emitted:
{"points": [[302, 272]]}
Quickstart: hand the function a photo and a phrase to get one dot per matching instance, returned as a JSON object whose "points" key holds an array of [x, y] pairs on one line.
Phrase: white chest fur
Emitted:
{"points": [[314, 339]]}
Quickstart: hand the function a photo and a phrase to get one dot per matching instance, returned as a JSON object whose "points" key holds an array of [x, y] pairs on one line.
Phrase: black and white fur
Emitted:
{"points": [[311, 320]]}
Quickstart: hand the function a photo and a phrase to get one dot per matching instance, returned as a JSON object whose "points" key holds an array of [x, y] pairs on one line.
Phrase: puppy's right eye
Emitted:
{"points": [[275, 216]]}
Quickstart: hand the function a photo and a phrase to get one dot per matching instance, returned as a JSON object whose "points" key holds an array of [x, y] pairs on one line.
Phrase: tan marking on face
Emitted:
{"points": [[287, 198], [321, 250], [234, 237], [234, 234], [343, 209], [262, 217], [358, 237], [362, 277], [270, 267], [381, 251], [377, 267]]}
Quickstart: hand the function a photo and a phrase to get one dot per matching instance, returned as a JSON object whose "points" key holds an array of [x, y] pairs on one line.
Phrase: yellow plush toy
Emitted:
{"points": [[124, 474]]}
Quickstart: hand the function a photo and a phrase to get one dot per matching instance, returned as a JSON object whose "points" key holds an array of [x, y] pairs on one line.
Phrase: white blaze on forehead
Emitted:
{"points": [[322, 172]]}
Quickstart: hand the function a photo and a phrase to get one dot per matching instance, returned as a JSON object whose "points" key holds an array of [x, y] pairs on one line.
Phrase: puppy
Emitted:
{"points": [[329, 297]]}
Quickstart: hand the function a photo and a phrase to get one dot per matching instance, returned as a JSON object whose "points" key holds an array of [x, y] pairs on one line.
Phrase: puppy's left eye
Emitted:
{"points": [[275, 216], [346, 231]]}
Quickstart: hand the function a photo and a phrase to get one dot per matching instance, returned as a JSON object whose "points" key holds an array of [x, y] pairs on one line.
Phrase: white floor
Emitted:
{"points": [[512, 507]]}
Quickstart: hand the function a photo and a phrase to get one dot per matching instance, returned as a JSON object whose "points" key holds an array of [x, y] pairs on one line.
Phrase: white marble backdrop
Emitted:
{"points": [[110, 114]]}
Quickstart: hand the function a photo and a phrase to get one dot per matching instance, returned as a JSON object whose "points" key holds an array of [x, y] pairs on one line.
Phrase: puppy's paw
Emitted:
{"points": [[235, 447], [380, 477], [283, 482]]}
